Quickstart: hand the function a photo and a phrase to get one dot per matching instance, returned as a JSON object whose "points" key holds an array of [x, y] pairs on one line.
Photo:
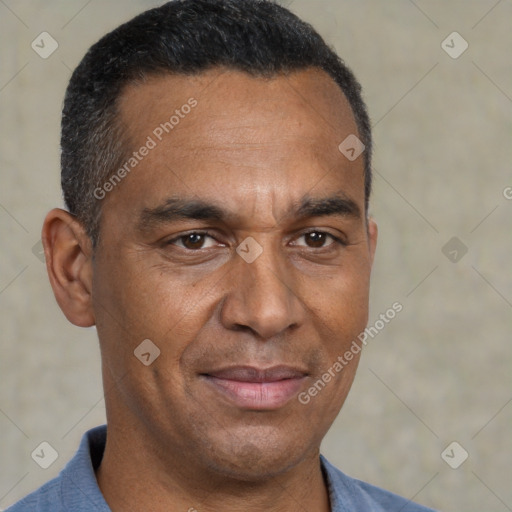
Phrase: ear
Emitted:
{"points": [[372, 238], [68, 254]]}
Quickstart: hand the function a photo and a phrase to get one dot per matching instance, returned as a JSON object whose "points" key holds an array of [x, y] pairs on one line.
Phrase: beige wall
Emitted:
{"points": [[439, 372]]}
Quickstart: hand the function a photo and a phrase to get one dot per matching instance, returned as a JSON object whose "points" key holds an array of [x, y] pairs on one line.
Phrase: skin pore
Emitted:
{"points": [[254, 158]]}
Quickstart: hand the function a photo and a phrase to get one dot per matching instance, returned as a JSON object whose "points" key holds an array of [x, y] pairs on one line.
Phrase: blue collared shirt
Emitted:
{"points": [[76, 488]]}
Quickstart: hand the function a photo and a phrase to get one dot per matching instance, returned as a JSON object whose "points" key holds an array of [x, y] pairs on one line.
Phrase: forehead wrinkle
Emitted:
{"points": [[266, 205]]}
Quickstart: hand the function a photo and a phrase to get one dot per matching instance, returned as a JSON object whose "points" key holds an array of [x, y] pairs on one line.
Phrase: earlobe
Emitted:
{"points": [[68, 254]]}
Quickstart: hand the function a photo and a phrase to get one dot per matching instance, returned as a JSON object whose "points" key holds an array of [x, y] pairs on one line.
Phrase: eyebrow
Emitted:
{"points": [[333, 205], [175, 209]]}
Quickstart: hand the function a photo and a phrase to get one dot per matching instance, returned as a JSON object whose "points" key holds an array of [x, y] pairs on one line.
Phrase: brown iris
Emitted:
{"points": [[193, 241], [315, 239]]}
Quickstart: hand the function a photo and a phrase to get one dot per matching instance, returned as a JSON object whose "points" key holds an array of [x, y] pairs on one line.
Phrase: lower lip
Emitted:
{"points": [[257, 395]]}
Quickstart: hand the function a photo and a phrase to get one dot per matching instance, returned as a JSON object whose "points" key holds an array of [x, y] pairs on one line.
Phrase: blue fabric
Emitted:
{"points": [[76, 489]]}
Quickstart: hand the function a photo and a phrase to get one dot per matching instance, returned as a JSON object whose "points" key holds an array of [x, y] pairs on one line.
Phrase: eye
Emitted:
{"points": [[317, 239], [193, 241]]}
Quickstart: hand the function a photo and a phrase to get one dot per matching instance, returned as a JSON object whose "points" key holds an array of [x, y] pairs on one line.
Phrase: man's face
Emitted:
{"points": [[240, 333]]}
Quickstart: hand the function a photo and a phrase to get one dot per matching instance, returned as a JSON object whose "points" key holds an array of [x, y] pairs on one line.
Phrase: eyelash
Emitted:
{"points": [[337, 240]]}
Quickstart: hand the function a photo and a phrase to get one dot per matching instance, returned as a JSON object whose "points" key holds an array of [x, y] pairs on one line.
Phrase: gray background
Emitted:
{"points": [[437, 373]]}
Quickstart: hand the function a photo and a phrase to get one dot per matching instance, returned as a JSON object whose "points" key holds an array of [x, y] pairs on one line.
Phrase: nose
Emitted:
{"points": [[262, 298]]}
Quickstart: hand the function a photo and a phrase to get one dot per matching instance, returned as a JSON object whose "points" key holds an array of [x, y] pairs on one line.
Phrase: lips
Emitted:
{"points": [[252, 388]]}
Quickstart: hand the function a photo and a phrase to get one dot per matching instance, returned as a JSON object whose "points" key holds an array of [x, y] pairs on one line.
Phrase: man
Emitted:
{"points": [[216, 168]]}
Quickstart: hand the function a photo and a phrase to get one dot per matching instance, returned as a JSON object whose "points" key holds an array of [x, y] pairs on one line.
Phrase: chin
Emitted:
{"points": [[255, 458]]}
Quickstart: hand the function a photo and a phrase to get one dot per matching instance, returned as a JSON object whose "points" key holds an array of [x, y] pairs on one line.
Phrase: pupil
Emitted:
{"points": [[317, 239], [194, 240]]}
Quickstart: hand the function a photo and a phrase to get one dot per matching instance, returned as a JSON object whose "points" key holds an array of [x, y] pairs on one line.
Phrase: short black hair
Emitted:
{"points": [[258, 37]]}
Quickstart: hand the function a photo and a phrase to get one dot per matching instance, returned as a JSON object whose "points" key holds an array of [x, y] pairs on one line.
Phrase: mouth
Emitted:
{"points": [[256, 389]]}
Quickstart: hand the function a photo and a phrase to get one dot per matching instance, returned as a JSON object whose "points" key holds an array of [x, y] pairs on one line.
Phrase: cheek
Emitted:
{"points": [[132, 307], [135, 302], [148, 301], [340, 306]]}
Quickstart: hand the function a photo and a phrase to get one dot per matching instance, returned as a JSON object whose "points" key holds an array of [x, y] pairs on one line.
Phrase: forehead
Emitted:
{"points": [[226, 134], [308, 95]]}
